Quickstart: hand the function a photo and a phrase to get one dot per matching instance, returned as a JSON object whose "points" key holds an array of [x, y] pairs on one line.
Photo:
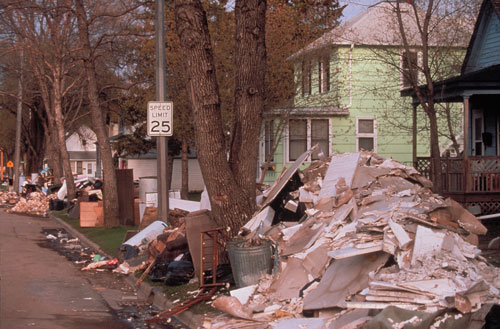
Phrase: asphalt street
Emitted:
{"points": [[40, 288]]}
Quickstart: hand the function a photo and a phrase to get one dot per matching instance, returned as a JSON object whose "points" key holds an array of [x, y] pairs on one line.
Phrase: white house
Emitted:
{"points": [[82, 151], [144, 165]]}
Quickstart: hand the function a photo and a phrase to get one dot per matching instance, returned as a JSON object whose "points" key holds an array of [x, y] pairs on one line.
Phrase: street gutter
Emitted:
{"points": [[144, 290]]}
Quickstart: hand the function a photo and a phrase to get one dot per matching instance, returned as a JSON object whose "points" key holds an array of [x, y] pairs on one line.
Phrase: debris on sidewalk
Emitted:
{"points": [[359, 232], [36, 204]]}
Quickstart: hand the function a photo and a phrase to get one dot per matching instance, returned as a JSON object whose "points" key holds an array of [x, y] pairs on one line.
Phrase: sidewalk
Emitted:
{"points": [[145, 291]]}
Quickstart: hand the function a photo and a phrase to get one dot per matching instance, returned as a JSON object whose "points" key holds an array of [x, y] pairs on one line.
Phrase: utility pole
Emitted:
{"points": [[161, 91], [19, 118]]}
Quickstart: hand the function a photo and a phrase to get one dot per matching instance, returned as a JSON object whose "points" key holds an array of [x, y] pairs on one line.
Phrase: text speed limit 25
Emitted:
{"points": [[160, 118]]}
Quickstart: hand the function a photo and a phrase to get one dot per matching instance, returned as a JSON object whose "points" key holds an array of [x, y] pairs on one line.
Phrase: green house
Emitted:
{"points": [[348, 85]]}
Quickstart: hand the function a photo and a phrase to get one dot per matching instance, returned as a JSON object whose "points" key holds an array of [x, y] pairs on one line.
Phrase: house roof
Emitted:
{"points": [[327, 111], [453, 89], [377, 26], [82, 155], [482, 12]]}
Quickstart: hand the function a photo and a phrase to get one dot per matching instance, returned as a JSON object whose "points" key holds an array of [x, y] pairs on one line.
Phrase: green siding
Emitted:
{"points": [[375, 93]]}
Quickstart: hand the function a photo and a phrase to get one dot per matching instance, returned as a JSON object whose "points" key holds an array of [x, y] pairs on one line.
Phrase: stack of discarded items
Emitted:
{"points": [[367, 235], [8, 198], [35, 204], [161, 251]]}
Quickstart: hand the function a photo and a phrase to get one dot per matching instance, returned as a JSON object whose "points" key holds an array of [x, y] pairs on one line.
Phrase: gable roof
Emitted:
{"points": [[376, 26], [487, 7]]}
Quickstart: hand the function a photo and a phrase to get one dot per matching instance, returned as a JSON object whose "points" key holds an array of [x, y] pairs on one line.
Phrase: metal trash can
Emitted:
{"points": [[249, 263]]}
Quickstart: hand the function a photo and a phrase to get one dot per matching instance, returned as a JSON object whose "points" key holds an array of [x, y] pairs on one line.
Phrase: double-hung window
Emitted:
{"points": [[366, 134], [306, 77], [269, 138], [324, 73], [409, 68], [305, 133]]}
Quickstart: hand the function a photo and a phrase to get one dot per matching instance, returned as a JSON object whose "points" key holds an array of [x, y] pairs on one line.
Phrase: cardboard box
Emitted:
{"points": [[91, 214]]}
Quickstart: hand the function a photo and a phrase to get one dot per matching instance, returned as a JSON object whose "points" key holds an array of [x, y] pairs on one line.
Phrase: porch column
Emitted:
{"points": [[414, 136], [466, 142], [466, 126]]}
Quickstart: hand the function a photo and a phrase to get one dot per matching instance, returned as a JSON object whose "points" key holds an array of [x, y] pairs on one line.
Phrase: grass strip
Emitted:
{"points": [[109, 239]]}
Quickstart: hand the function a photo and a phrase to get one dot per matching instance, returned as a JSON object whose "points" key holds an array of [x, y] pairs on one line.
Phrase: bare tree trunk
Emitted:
{"points": [[53, 156], [61, 139], [185, 170], [230, 206], [250, 70], [453, 137], [435, 153], [110, 195]]}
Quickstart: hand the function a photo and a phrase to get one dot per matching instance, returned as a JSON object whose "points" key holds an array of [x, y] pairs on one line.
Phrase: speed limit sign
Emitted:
{"points": [[160, 118]]}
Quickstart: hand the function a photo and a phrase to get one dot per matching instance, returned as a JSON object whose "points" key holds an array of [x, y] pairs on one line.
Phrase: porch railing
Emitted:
{"points": [[476, 175]]}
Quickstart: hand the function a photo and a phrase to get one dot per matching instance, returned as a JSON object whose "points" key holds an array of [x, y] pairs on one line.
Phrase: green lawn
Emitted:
{"points": [[109, 240]]}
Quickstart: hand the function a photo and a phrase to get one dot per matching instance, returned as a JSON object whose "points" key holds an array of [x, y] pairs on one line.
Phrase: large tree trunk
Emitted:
{"points": [[110, 195], [61, 139], [230, 206], [36, 143], [250, 70], [185, 170], [53, 155]]}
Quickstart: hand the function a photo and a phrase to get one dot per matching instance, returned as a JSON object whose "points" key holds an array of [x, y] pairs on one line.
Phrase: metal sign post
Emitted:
{"points": [[161, 90]]}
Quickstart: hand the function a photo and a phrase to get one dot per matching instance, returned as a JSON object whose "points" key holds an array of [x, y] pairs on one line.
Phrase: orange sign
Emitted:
{"points": [[10, 164]]}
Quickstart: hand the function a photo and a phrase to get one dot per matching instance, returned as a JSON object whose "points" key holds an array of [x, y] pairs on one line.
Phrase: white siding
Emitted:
{"points": [[74, 142], [147, 167]]}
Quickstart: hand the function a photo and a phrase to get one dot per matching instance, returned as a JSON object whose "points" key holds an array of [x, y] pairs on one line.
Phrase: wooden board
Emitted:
{"points": [[125, 187]]}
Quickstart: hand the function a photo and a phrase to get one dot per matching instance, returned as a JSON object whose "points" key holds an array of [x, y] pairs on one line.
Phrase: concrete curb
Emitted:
{"points": [[80, 236], [144, 291]]}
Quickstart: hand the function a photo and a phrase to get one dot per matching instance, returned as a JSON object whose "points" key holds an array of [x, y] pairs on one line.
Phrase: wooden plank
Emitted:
{"points": [[392, 299], [351, 252], [380, 305]]}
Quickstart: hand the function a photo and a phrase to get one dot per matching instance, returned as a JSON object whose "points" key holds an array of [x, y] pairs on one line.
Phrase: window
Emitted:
{"points": [[366, 134], [306, 77], [320, 135], [268, 139], [89, 168], [305, 133], [409, 68], [297, 138], [79, 167], [324, 73]]}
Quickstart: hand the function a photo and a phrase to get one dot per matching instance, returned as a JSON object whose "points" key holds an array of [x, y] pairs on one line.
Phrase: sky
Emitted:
{"points": [[354, 7]]}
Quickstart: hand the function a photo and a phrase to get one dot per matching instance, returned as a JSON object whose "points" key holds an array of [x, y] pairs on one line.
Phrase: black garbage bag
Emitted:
{"points": [[159, 270], [493, 318], [224, 275], [179, 272]]}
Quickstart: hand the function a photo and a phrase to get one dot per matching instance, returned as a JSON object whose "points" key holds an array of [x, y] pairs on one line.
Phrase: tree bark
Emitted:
{"points": [[53, 156], [250, 70], [230, 206], [110, 195], [185, 170], [61, 139]]}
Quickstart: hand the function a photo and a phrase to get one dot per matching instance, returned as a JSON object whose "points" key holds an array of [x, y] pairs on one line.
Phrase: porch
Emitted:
{"points": [[473, 181]]}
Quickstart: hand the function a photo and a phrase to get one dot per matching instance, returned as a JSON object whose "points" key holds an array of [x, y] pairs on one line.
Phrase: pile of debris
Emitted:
{"points": [[365, 233], [36, 204], [8, 198], [161, 251]]}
